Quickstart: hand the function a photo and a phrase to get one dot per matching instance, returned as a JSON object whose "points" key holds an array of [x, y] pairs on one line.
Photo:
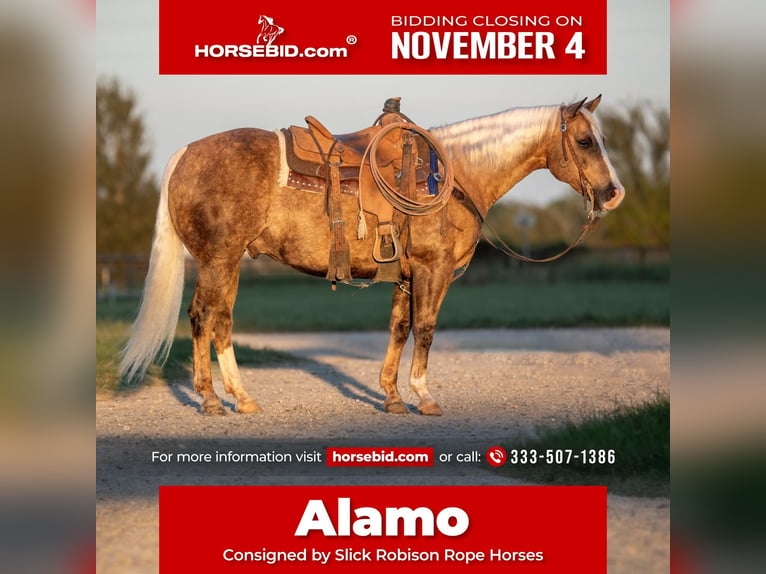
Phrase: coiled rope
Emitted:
{"points": [[445, 181]]}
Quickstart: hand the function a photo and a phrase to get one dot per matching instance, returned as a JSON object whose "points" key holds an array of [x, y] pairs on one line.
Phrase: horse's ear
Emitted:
{"points": [[593, 104], [571, 110]]}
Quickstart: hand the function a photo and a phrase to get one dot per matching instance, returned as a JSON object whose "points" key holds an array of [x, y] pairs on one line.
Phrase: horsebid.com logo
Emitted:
{"points": [[264, 46], [269, 30]]}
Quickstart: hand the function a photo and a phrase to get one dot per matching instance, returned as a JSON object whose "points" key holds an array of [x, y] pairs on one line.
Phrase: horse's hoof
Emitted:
{"points": [[212, 409], [430, 409], [248, 406], [396, 408]]}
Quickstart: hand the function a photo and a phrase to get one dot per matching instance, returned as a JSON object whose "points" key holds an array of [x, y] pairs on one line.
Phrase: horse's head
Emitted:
{"points": [[576, 156]]}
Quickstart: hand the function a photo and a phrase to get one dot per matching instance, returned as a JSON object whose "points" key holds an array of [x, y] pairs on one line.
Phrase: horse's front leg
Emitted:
{"points": [[430, 286], [399, 330]]}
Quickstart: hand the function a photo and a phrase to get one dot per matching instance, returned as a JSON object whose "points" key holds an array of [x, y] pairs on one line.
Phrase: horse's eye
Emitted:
{"points": [[583, 143]]}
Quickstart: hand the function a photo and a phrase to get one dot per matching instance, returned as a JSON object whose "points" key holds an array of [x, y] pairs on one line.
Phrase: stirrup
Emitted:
{"points": [[393, 233]]}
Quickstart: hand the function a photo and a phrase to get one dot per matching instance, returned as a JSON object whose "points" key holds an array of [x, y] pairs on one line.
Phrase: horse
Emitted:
{"points": [[220, 197], [269, 30]]}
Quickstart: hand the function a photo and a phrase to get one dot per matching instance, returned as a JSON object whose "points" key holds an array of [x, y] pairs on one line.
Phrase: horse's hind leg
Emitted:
{"points": [[211, 317], [222, 324], [199, 314], [399, 328]]}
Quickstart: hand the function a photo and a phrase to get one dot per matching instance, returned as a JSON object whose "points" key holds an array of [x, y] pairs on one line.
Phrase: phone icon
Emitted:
{"points": [[496, 456]]}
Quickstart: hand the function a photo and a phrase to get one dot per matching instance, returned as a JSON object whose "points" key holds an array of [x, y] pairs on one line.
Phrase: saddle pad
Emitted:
{"points": [[315, 184]]}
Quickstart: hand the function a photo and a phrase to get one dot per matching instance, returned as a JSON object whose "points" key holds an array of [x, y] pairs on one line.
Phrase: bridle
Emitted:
{"points": [[586, 190]]}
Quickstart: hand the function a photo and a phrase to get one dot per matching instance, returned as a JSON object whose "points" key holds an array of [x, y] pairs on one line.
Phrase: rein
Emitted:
{"points": [[586, 190], [590, 222]]}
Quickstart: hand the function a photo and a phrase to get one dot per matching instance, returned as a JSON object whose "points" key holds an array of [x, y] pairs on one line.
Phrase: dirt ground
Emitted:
{"points": [[494, 386]]}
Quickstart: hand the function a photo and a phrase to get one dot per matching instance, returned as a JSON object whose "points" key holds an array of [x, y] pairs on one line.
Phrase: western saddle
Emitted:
{"points": [[357, 164]]}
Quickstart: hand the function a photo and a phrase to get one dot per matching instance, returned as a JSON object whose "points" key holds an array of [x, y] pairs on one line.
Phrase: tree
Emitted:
{"points": [[638, 143], [126, 192]]}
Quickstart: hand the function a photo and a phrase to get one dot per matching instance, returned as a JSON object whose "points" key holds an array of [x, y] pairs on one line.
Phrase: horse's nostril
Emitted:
{"points": [[613, 193]]}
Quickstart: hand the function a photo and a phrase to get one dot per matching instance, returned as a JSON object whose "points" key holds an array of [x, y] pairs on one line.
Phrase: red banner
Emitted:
{"points": [[245, 37], [342, 528]]}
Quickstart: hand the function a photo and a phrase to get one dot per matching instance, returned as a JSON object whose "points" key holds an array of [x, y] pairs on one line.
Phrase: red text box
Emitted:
{"points": [[342, 528], [245, 37]]}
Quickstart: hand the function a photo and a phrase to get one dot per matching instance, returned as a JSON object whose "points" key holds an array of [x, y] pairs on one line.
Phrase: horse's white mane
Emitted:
{"points": [[491, 138], [505, 136]]}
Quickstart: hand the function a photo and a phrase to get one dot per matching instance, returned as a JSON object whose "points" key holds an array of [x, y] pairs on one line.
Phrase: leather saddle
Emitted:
{"points": [[310, 149], [339, 164]]}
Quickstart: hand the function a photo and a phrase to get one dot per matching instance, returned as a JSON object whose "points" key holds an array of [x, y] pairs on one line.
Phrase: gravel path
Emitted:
{"points": [[493, 386]]}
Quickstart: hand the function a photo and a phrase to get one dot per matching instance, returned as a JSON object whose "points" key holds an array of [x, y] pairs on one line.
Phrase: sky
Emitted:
{"points": [[180, 109]]}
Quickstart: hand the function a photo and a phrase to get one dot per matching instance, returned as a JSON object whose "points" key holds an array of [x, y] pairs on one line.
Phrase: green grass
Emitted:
{"points": [[639, 436], [603, 304], [272, 304], [109, 339], [306, 305]]}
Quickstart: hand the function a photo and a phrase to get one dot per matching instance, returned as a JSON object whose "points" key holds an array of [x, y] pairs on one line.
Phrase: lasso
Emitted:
{"points": [[405, 204]]}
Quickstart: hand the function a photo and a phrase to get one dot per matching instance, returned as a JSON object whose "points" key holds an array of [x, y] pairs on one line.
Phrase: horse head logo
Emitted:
{"points": [[269, 30]]}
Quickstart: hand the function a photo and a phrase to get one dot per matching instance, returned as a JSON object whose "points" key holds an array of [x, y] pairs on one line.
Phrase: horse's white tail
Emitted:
{"points": [[154, 328]]}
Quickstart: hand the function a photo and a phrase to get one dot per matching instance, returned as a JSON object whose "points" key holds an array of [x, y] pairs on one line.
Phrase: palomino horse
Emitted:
{"points": [[220, 197]]}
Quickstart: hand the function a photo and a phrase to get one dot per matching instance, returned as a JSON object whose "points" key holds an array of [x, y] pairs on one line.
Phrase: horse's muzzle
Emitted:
{"points": [[612, 198]]}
